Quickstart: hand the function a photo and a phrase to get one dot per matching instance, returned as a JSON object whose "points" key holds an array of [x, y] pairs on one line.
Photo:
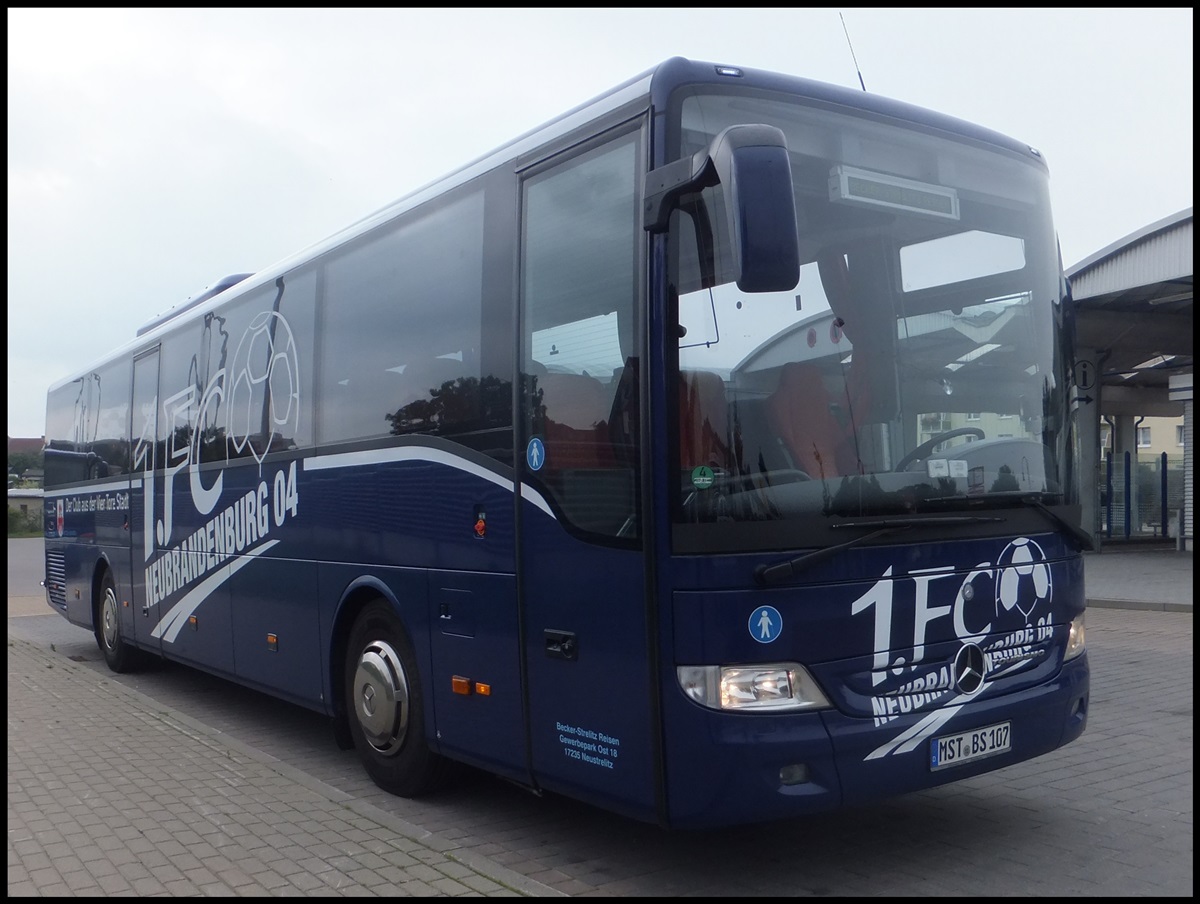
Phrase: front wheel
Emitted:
{"points": [[120, 655], [383, 701]]}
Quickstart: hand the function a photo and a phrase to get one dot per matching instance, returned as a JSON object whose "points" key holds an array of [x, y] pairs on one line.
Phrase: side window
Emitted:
{"points": [[65, 459], [267, 360], [399, 344], [145, 453], [179, 397], [579, 368], [110, 440], [235, 380], [87, 427]]}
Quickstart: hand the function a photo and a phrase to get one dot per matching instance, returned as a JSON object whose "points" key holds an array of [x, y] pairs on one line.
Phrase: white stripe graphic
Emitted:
{"points": [[907, 740], [172, 622], [422, 453]]}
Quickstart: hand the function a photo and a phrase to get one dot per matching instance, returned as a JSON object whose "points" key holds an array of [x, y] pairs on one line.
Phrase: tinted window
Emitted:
{"points": [[400, 334], [65, 458], [579, 297], [87, 427], [110, 435], [235, 380]]}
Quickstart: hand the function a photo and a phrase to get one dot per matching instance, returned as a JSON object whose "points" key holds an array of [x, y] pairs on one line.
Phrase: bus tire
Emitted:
{"points": [[385, 708], [120, 655]]}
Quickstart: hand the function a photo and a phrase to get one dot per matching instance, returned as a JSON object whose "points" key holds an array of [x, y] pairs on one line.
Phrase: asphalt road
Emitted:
{"points": [[1110, 814]]}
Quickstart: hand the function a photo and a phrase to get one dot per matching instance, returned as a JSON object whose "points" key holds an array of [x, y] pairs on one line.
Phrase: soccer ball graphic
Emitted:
{"points": [[1022, 578], [264, 399]]}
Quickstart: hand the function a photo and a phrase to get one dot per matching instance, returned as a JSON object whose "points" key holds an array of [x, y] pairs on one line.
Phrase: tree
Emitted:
{"points": [[20, 462], [24, 524]]}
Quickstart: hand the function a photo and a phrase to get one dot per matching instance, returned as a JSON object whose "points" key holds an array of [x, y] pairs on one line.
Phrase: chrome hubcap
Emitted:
{"points": [[381, 697], [108, 618]]}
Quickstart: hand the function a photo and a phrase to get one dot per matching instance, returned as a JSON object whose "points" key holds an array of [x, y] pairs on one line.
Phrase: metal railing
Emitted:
{"points": [[1142, 500]]}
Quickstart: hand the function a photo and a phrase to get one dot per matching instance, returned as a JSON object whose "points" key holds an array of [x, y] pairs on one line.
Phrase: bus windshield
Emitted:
{"points": [[912, 369]]}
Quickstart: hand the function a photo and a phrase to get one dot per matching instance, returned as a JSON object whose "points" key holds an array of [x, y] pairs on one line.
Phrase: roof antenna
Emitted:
{"points": [[852, 56]]}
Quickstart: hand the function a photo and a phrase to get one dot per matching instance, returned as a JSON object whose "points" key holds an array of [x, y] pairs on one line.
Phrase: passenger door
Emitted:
{"points": [[581, 578]]}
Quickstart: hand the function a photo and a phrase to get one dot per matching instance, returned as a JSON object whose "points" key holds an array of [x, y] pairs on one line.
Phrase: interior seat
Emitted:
{"points": [[575, 428], [801, 414], [703, 420]]}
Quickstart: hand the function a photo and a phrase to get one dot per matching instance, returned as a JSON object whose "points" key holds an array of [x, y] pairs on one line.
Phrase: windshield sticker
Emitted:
{"points": [[703, 477]]}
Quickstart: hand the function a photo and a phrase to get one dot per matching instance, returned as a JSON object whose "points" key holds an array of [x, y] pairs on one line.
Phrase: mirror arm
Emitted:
{"points": [[665, 184]]}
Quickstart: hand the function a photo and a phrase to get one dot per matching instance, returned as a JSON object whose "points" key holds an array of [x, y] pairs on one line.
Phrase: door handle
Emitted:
{"points": [[562, 645]]}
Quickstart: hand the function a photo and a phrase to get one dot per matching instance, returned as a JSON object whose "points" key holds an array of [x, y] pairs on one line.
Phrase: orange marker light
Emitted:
{"points": [[484, 690], [460, 685]]}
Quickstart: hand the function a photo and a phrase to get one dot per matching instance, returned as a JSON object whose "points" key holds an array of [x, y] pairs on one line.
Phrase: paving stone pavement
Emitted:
{"points": [[206, 816]]}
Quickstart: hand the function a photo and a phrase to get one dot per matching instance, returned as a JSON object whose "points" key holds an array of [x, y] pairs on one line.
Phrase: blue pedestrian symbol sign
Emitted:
{"points": [[535, 454], [766, 624]]}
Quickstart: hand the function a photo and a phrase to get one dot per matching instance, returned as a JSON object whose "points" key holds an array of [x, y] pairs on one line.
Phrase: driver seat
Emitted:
{"points": [[800, 412]]}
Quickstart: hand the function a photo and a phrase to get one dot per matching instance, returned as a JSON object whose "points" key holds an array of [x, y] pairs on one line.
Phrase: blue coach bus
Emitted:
{"points": [[707, 454]]}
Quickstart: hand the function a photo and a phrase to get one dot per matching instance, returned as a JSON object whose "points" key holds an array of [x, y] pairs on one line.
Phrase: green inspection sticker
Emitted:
{"points": [[702, 477]]}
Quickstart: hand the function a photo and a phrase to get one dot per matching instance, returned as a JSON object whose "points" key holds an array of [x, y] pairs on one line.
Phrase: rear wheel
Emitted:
{"points": [[384, 704], [120, 655]]}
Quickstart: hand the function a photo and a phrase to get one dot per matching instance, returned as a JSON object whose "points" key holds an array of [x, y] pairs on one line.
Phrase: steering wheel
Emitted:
{"points": [[928, 446]]}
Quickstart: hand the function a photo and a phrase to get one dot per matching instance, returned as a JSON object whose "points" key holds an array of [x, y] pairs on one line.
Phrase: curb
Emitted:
{"points": [[1139, 605]]}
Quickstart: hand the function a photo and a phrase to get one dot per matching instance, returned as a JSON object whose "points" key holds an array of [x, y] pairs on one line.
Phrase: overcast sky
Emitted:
{"points": [[151, 152]]}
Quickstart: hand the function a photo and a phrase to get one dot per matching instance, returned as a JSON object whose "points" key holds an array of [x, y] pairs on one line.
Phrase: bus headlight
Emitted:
{"points": [[1075, 640], [773, 687]]}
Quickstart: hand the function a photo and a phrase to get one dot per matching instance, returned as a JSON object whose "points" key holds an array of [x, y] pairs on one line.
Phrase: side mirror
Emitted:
{"points": [[751, 163]]}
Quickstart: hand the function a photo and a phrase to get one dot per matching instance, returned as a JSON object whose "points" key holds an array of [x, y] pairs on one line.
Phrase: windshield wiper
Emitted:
{"points": [[1082, 537], [773, 574]]}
